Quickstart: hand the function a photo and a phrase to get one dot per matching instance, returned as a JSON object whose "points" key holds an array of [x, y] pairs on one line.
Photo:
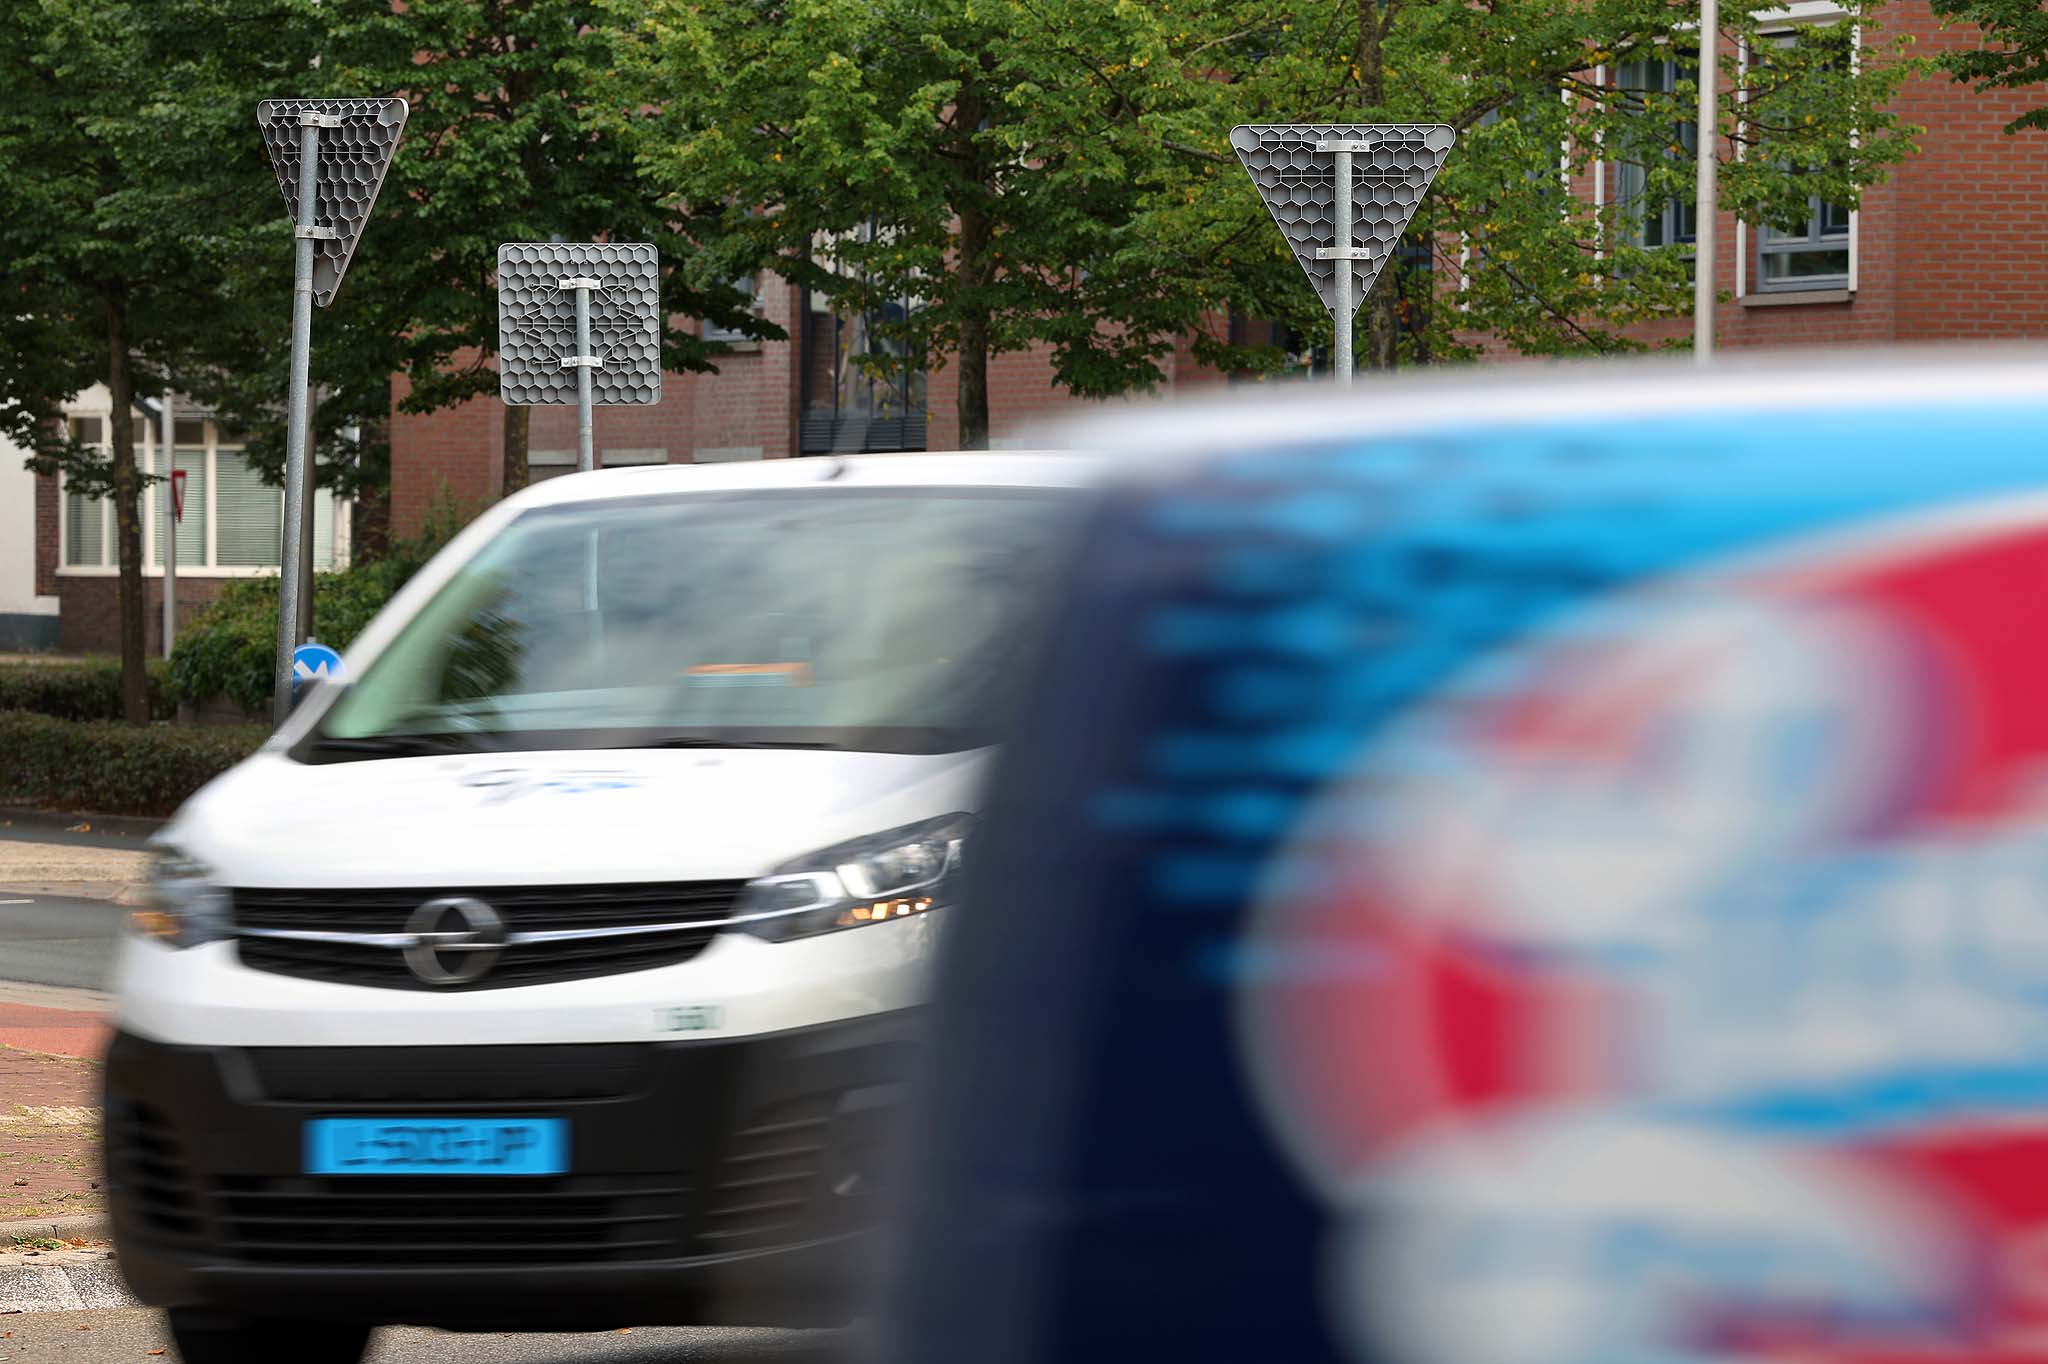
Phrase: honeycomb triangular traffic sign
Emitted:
{"points": [[1298, 183], [355, 151]]}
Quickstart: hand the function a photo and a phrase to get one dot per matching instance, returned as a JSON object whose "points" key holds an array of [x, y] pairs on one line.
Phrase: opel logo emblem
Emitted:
{"points": [[454, 941]]}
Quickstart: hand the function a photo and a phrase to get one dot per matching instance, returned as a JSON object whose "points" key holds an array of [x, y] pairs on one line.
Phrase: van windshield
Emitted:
{"points": [[890, 620]]}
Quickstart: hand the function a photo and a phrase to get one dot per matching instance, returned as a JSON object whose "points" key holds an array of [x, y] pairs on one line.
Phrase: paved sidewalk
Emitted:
{"points": [[49, 1135], [75, 1034], [91, 873]]}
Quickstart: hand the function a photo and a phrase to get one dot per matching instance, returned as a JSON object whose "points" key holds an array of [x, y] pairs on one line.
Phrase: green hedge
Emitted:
{"points": [[230, 647], [79, 691], [111, 767]]}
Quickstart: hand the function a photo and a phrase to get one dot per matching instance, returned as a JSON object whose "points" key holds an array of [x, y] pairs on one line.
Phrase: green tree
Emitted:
{"points": [[137, 199], [502, 144], [2015, 51], [974, 175], [1058, 171]]}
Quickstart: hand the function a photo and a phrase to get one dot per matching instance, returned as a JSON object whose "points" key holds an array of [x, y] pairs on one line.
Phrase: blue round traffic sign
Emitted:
{"points": [[311, 661]]}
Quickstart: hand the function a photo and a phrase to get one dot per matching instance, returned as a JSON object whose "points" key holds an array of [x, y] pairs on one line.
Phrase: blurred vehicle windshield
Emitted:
{"points": [[888, 620]]}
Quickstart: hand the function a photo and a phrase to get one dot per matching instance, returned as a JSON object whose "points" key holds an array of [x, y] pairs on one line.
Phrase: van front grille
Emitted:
{"points": [[433, 1221], [678, 920], [146, 1164]]}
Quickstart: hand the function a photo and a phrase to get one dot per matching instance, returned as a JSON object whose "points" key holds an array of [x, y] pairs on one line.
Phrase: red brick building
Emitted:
{"points": [[1946, 250]]}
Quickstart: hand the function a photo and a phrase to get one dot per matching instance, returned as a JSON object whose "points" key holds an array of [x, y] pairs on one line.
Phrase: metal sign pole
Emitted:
{"points": [[585, 362], [1343, 305], [306, 520], [1703, 209], [1344, 311], [168, 522], [306, 234]]}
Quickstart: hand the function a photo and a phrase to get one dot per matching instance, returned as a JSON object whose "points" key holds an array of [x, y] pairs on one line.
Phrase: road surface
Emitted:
{"points": [[57, 940], [127, 1335]]}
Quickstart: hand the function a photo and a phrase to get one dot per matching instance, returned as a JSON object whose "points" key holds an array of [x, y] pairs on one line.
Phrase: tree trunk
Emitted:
{"points": [[1381, 322], [518, 429], [1383, 303], [127, 511], [972, 273], [973, 387], [369, 526]]}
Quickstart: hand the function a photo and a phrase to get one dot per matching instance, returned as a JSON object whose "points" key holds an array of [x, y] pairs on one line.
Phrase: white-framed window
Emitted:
{"points": [[233, 523], [1672, 223], [1818, 253]]}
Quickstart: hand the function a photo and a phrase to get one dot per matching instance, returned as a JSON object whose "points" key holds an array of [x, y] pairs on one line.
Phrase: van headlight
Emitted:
{"points": [[186, 907], [894, 875]]}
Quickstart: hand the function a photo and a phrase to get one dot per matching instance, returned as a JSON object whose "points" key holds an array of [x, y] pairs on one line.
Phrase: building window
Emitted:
{"points": [[1671, 222], [85, 518], [233, 521], [750, 286], [1811, 254], [863, 388], [249, 514]]}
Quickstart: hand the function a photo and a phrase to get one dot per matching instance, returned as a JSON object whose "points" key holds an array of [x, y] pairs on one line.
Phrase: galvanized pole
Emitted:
{"points": [[168, 523], [586, 453], [308, 525], [295, 473], [1345, 308], [1703, 211]]}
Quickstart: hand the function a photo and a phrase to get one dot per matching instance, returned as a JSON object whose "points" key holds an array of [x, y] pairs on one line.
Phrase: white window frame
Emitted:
{"points": [[145, 458], [1784, 20], [1670, 217]]}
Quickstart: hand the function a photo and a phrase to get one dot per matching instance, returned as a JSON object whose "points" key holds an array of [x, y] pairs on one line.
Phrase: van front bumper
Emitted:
{"points": [[728, 1181]]}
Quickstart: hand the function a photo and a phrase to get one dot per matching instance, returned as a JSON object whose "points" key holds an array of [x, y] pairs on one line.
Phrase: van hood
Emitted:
{"points": [[555, 817]]}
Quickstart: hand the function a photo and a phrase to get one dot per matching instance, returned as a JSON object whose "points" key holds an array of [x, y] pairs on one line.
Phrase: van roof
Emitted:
{"points": [[1006, 469], [1250, 416]]}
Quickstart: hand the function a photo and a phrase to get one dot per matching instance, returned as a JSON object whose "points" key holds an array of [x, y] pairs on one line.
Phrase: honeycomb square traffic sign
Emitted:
{"points": [[357, 140], [537, 322], [1297, 181]]}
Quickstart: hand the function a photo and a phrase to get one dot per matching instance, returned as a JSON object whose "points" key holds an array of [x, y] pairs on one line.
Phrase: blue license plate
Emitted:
{"points": [[437, 1146]]}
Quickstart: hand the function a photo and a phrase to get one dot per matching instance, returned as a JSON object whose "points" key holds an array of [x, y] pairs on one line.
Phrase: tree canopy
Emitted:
{"points": [[503, 143], [136, 197], [1057, 172], [2015, 51]]}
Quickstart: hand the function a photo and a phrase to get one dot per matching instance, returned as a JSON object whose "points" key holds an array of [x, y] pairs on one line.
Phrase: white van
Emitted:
{"points": [[559, 967]]}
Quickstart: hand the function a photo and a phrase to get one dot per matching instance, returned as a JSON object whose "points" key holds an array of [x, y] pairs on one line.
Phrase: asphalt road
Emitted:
{"points": [[128, 1335], [57, 940], [89, 831]]}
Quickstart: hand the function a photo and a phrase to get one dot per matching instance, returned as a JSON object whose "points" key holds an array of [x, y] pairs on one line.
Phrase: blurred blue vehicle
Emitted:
{"points": [[1546, 869]]}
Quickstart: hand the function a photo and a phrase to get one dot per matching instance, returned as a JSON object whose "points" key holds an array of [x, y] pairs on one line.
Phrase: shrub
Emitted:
{"points": [[230, 648], [79, 691], [115, 768]]}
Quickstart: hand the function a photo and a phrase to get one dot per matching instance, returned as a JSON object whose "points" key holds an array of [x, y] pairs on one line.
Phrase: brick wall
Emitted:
{"points": [[47, 511], [89, 611], [1971, 208], [1947, 247], [750, 402], [453, 452]]}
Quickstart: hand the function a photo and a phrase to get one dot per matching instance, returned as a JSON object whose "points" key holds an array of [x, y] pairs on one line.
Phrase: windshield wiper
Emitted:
{"points": [[395, 745], [707, 741]]}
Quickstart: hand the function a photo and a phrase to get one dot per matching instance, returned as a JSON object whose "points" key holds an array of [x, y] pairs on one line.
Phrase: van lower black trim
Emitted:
{"points": [[718, 1181]]}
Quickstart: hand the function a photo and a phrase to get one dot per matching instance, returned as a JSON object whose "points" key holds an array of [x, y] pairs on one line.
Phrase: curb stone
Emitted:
{"points": [[63, 1282], [68, 1280], [85, 1226]]}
